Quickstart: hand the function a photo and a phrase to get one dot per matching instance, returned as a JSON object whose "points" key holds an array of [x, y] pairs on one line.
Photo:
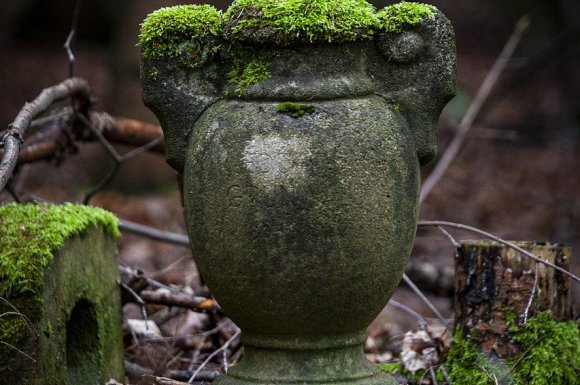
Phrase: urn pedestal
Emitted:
{"points": [[300, 149]]}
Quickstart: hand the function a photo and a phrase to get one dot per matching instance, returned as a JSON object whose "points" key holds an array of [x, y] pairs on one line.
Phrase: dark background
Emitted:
{"points": [[516, 176]]}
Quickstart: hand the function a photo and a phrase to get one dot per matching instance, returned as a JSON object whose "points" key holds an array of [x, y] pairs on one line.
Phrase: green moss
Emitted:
{"points": [[295, 110], [246, 73], [394, 17], [550, 354], [185, 32], [551, 351], [29, 234], [289, 21]]}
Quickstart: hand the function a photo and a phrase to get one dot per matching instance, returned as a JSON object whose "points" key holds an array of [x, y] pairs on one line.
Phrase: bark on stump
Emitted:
{"points": [[493, 280]]}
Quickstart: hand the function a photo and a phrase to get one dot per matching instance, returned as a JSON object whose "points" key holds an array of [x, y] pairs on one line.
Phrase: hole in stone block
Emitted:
{"points": [[82, 345]]}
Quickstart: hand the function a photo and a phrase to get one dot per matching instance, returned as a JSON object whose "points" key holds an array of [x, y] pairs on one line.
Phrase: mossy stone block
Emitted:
{"points": [[60, 316]]}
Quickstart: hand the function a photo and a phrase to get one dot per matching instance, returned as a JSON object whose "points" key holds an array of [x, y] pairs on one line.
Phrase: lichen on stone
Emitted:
{"points": [[29, 235], [394, 17], [286, 22], [295, 110], [188, 33]]}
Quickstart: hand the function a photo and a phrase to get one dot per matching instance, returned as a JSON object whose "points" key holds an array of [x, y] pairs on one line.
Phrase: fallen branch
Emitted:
{"points": [[499, 240], [213, 354], [151, 233], [14, 136], [46, 144], [195, 303]]}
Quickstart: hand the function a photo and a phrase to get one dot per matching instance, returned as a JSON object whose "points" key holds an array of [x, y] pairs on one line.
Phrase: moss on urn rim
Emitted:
{"points": [[29, 235], [193, 34], [185, 32]]}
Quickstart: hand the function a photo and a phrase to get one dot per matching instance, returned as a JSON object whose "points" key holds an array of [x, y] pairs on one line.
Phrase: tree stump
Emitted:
{"points": [[60, 314], [495, 282]]}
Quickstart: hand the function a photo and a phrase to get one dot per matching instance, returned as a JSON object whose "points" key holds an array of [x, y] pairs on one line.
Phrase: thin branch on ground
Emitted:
{"points": [[499, 240], [46, 144], [433, 376], [18, 350], [397, 305], [200, 304], [137, 298], [481, 97], [445, 374], [172, 296], [214, 354], [423, 298], [151, 233], [14, 136]]}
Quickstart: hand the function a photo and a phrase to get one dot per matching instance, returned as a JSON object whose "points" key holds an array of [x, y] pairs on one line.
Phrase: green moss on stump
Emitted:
{"points": [[549, 354], [295, 110], [186, 32], [394, 17], [30, 233]]}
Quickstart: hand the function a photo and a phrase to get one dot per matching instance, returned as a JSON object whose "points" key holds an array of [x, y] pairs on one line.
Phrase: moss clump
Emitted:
{"points": [[295, 110], [394, 17], [185, 32], [285, 22], [550, 354], [244, 73], [29, 234]]}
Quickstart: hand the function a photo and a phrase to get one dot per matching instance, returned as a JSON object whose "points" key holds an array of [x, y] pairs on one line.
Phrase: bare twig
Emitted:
{"points": [[18, 350], [423, 298], [473, 110], [181, 300], [499, 240], [213, 354], [433, 376], [138, 298], [44, 145], [151, 233], [70, 40], [397, 305], [13, 137], [445, 375], [532, 295]]}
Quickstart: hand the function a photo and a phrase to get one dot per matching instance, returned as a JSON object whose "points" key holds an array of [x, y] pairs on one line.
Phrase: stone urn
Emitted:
{"points": [[299, 127]]}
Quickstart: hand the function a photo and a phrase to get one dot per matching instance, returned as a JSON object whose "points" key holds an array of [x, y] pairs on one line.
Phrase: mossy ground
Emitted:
{"points": [[30, 233], [550, 354]]}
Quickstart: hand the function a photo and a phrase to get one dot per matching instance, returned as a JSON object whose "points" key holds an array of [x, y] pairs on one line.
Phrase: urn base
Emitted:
{"points": [[346, 365]]}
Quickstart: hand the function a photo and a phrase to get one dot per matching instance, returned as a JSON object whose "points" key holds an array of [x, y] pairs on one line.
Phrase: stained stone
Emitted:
{"points": [[300, 150]]}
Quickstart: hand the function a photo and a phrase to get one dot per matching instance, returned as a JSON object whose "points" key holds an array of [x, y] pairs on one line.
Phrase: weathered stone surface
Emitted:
{"points": [[301, 174], [69, 329]]}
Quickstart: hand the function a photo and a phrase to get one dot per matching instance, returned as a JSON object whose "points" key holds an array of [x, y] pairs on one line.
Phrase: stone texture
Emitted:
{"points": [[301, 187], [73, 327]]}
